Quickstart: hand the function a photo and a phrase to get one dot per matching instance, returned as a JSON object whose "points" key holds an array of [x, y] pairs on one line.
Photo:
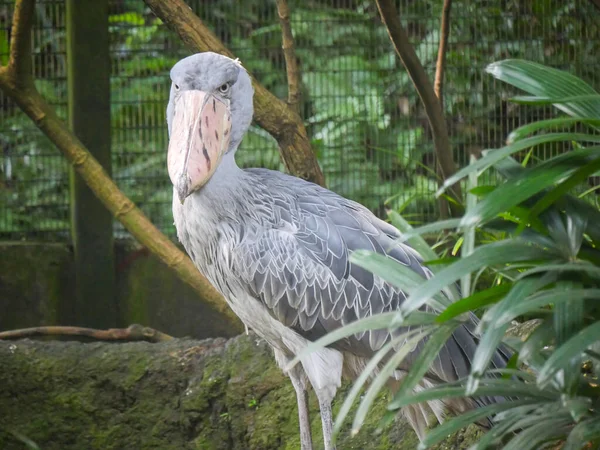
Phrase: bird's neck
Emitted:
{"points": [[224, 194], [227, 177]]}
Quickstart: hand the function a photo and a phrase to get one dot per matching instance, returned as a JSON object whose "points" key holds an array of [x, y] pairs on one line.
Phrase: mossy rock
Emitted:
{"points": [[183, 394]]}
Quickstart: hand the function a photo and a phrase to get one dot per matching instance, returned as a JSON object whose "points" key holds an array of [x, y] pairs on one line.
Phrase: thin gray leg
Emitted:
{"points": [[299, 381], [327, 420]]}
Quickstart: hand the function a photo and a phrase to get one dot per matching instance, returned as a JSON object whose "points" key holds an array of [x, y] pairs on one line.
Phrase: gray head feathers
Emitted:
{"points": [[209, 72]]}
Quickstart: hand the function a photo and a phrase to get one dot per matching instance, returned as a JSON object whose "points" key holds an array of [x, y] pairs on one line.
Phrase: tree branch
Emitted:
{"points": [[289, 53], [134, 332], [271, 113], [596, 3], [435, 116], [438, 83], [24, 94], [440, 66], [19, 61]]}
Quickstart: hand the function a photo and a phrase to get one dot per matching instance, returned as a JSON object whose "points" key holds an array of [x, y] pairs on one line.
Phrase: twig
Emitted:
{"points": [[440, 66], [21, 89], [596, 3], [435, 116], [134, 332], [438, 83], [270, 113], [289, 53]]}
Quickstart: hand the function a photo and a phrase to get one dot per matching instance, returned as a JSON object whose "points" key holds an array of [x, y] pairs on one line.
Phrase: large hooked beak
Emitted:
{"points": [[200, 134]]}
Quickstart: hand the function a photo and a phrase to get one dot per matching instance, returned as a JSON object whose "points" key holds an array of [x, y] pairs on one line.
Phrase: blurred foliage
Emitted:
{"points": [[366, 122]]}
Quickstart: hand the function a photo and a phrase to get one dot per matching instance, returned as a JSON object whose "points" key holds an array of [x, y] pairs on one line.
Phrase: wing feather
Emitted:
{"points": [[298, 265]]}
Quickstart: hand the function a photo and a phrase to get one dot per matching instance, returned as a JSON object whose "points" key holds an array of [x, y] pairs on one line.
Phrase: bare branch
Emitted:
{"points": [[596, 3], [409, 58], [289, 53], [19, 61], [441, 57], [132, 333], [270, 113], [438, 83], [23, 92]]}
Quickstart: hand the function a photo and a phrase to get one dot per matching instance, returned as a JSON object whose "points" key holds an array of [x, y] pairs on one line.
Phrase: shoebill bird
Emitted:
{"points": [[277, 247]]}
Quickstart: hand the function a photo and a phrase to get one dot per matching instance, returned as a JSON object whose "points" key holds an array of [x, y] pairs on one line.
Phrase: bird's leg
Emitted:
{"points": [[299, 381], [324, 370], [298, 378], [325, 398]]}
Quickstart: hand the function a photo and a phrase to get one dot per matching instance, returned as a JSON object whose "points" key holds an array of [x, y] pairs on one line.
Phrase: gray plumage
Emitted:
{"points": [[278, 248]]}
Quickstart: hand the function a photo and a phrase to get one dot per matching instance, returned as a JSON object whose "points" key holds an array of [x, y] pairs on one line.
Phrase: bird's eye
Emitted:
{"points": [[176, 87], [224, 88]]}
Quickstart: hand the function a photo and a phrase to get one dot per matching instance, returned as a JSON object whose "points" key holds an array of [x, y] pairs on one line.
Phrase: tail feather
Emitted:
{"points": [[457, 355]]}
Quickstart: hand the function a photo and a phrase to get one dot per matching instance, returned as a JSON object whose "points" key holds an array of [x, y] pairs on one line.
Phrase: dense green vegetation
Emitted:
{"points": [[535, 238], [366, 122]]}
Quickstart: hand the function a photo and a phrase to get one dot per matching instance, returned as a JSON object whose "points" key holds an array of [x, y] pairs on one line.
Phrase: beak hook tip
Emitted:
{"points": [[182, 188]]}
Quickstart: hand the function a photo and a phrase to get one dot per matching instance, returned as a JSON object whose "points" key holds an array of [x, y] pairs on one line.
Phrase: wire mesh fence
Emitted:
{"points": [[365, 120]]}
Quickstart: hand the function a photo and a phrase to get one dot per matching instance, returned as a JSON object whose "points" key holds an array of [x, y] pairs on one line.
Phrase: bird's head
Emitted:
{"points": [[209, 111]]}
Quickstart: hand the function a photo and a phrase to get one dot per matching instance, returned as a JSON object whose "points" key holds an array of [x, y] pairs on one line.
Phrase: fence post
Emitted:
{"points": [[89, 117]]}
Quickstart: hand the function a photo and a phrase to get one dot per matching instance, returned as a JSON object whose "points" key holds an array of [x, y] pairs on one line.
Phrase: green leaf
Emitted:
{"points": [[417, 242], [521, 187], [574, 266], [486, 255], [499, 430], [514, 420], [367, 372], [129, 18], [530, 235], [571, 349], [534, 100], [568, 319], [562, 122], [487, 388], [511, 366], [535, 302], [383, 377], [519, 292], [424, 360], [578, 177], [492, 157], [394, 273], [531, 351], [31, 445], [451, 426], [387, 268], [588, 213], [485, 351], [582, 433], [482, 190], [440, 225], [540, 80], [469, 232], [474, 302], [457, 247], [547, 428], [508, 167], [495, 331]]}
